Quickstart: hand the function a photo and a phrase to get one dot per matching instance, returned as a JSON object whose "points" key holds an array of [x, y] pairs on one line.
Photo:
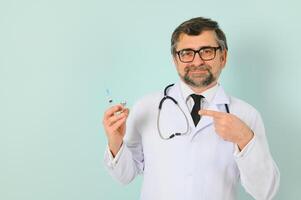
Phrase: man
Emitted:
{"points": [[201, 142]]}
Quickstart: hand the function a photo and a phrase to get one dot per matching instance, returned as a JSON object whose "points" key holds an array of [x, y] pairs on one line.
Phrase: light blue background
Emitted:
{"points": [[57, 57]]}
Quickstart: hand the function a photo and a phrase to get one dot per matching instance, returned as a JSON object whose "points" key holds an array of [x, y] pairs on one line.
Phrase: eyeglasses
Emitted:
{"points": [[205, 53]]}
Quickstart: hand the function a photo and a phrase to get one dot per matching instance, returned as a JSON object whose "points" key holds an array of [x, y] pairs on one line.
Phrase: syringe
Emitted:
{"points": [[110, 100]]}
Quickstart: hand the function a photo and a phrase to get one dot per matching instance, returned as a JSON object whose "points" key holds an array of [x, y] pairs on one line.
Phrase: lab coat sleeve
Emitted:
{"points": [[128, 162], [110, 160], [259, 174]]}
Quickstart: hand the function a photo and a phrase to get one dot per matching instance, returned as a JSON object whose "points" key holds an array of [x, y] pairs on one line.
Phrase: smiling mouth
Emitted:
{"points": [[198, 71]]}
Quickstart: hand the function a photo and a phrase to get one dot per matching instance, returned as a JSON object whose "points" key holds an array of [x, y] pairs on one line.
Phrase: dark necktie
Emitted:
{"points": [[196, 107]]}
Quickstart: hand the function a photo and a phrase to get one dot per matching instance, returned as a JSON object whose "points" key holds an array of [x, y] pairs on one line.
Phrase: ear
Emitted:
{"points": [[223, 58], [175, 61]]}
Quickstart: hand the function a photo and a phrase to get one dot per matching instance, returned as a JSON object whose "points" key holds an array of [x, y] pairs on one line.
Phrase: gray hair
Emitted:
{"points": [[196, 26]]}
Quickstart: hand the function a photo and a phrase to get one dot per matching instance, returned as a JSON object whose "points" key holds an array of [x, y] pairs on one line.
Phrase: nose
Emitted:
{"points": [[197, 61]]}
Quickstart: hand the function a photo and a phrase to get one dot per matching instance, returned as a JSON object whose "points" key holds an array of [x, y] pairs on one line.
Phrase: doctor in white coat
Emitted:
{"points": [[202, 143]]}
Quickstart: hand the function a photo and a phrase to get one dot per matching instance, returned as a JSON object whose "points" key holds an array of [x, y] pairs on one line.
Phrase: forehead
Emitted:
{"points": [[206, 38]]}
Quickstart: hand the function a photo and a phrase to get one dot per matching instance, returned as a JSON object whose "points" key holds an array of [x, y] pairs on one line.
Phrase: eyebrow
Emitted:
{"points": [[203, 47]]}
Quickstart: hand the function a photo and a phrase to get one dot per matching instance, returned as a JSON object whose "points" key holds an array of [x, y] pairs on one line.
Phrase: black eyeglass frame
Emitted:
{"points": [[198, 51]]}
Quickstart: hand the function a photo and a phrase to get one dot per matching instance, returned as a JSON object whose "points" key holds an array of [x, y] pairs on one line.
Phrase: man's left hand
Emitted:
{"points": [[229, 127]]}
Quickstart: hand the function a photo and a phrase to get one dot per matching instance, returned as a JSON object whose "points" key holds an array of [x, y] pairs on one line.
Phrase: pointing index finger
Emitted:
{"points": [[210, 113]]}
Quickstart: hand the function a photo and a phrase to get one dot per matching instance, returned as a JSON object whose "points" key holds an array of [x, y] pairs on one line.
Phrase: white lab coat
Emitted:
{"points": [[197, 166]]}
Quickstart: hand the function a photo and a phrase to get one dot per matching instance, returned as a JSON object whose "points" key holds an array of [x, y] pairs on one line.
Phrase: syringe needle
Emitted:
{"points": [[109, 96]]}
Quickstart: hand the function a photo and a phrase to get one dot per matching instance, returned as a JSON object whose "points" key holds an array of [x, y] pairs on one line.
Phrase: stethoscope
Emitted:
{"points": [[166, 97]]}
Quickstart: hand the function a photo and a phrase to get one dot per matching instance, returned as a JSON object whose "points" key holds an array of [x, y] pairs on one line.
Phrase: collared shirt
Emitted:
{"points": [[208, 94]]}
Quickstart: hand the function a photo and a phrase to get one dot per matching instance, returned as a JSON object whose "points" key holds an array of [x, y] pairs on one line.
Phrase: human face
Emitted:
{"points": [[199, 73]]}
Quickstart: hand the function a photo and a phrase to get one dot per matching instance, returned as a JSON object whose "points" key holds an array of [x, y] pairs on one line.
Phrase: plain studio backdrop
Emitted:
{"points": [[58, 57]]}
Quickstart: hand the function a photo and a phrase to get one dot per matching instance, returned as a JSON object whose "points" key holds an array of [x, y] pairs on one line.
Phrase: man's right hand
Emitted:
{"points": [[114, 125]]}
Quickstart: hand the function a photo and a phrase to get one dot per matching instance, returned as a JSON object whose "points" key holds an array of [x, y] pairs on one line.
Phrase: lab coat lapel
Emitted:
{"points": [[176, 93], [206, 121], [219, 99]]}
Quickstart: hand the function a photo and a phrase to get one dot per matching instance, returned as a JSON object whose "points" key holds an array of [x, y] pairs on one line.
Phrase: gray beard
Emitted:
{"points": [[207, 80]]}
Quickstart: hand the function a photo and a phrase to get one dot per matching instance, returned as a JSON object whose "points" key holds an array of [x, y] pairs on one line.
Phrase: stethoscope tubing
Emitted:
{"points": [[166, 97]]}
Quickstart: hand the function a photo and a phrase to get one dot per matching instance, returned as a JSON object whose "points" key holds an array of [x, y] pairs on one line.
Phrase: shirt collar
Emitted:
{"points": [[208, 94]]}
